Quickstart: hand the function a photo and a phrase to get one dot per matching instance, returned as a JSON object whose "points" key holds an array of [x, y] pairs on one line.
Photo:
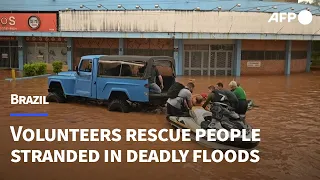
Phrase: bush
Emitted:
{"points": [[40, 68], [34, 69], [28, 70], [57, 66]]}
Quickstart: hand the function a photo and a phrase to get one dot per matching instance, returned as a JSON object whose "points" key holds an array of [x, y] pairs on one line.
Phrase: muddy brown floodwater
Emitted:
{"points": [[288, 117]]}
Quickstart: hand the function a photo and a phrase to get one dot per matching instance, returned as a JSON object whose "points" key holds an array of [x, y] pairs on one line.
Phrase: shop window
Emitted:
{"points": [[263, 55], [215, 47], [57, 52], [190, 47], [196, 47], [252, 55], [14, 43], [37, 51], [221, 47], [274, 55], [4, 43], [86, 65], [148, 52], [203, 47], [299, 55]]}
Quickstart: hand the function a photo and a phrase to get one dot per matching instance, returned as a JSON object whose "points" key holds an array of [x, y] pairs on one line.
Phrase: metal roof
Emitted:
{"points": [[203, 5]]}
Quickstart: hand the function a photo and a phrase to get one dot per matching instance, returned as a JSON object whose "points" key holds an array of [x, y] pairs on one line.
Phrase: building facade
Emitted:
{"points": [[221, 39]]}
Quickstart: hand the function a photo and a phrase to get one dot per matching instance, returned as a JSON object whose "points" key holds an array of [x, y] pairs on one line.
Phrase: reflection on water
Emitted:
{"points": [[288, 117]]}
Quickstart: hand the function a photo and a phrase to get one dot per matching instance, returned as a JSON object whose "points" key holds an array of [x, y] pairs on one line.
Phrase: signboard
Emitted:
{"points": [[254, 64], [7, 38], [4, 56], [42, 22]]}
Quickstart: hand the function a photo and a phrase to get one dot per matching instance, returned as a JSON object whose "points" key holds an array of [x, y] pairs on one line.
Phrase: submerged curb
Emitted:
{"points": [[29, 77]]}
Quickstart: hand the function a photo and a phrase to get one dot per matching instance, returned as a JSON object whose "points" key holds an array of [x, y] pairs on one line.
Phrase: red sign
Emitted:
{"points": [[8, 38], [43, 22]]}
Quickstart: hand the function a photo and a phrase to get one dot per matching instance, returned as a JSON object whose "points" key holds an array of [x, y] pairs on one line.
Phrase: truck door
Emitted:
{"points": [[84, 79]]}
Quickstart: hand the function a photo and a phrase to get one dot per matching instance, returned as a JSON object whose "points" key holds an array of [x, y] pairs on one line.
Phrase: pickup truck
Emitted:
{"points": [[117, 80]]}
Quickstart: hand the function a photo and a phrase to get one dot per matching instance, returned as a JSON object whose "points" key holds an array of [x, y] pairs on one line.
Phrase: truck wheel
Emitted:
{"points": [[119, 105], [55, 97]]}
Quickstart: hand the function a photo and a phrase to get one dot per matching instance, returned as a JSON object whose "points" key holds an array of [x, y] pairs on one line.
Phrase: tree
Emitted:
{"points": [[313, 2]]}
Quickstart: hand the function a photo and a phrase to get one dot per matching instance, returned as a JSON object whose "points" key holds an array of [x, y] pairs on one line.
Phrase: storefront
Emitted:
{"points": [[110, 46], [9, 52], [46, 49], [94, 46], [208, 57], [224, 44], [148, 47], [201, 46], [17, 50]]}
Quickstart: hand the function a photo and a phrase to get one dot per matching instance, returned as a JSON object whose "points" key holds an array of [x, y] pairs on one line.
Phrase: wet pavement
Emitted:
{"points": [[288, 116]]}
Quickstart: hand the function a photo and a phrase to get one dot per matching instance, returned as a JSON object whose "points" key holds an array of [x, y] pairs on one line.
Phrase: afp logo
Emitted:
{"points": [[304, 17]]}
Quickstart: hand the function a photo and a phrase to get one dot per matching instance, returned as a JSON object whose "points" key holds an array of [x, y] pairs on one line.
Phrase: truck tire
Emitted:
{"points": [[55, 97], [119, 105]]}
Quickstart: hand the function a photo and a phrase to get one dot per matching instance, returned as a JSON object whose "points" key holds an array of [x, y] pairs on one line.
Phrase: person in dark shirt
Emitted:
{"points": [[232, 98], [215, 96], [153, 86]]}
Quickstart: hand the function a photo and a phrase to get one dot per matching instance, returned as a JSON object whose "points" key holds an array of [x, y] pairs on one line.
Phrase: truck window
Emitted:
{"points": [[164, 67], [119, 68], [86, 65]]}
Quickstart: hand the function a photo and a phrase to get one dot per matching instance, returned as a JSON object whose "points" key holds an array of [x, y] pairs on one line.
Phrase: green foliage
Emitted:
{"points": [[29, 70], [314, 2], [57, 66], [34, 69]]}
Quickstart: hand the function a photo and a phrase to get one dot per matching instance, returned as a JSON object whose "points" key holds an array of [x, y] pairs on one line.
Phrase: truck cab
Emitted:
{"points": [[118, 80]]}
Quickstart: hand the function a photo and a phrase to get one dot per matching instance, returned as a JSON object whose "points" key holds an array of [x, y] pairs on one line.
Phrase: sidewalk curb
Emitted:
{"points": [[30, 77]]}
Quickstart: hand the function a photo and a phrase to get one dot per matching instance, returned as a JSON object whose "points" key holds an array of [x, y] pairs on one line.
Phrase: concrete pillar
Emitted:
{"points": [[121, 46], [237, 58], [69, 53], [180, 57], [21, 50], [309, 53], [176, 55], [287, 64]]}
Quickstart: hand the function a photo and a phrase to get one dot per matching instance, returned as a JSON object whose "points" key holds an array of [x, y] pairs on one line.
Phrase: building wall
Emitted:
{"points": [[270, 67], [270, 55], [148, 47], [299, 56], [94, 46]]}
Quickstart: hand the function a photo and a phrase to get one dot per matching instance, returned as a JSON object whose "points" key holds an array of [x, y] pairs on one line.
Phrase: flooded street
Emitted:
{"points": [[288, 116]]}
